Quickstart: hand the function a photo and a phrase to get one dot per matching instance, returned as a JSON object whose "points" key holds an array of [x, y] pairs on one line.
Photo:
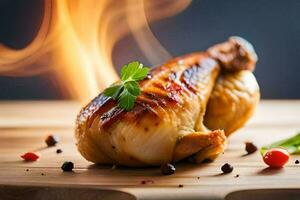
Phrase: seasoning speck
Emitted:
{"points": [[227, 168], [42, 174], [114, 167], [297, 162], [27, 170], [52, 140], [236, 176], [250, 147], [180, 185], [67, 166], [167, 169], [58, 151]]}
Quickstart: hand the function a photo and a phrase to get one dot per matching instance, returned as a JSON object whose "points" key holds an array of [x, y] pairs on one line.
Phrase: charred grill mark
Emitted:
{"points": [[155, 99], [111, 116], [143, 105], [142, 108], [190, 77], [116, 113], [173, 87], [156, 70], [199, 70], [98, 105], [151, 100], [158, 85], [173, 76]]}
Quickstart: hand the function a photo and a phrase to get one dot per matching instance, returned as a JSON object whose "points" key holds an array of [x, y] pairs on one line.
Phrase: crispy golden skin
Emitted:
{"points": [[232, 102], [179, 99]]}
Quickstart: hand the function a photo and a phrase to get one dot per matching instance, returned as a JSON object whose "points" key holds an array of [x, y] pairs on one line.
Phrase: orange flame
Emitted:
{"points": [[77, 37]]}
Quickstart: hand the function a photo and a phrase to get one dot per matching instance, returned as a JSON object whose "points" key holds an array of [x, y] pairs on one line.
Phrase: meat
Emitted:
{"points": [[187, 107]]}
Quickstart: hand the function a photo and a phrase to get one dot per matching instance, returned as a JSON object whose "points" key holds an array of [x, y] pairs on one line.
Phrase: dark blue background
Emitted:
{"points": [[272, 26]]}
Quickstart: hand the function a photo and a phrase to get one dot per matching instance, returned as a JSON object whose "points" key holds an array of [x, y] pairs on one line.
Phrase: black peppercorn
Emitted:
{"points": [[67, 166], [180, 185], [58, 151], [167, 169], [297, 162], [250, 147], [227, 168], [52, 140]]}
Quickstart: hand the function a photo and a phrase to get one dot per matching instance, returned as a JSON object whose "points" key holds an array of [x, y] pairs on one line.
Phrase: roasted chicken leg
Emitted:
{"points": [[187, 107]]}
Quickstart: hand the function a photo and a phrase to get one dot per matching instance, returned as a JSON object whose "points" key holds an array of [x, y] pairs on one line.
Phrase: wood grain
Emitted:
{"points": [[24, 126]]}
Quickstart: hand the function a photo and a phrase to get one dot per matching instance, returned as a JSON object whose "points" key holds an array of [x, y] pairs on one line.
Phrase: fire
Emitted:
{"points": [[77, 37]]}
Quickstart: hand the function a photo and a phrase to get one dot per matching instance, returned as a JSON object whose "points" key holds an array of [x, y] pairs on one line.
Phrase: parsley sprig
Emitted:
{"points": [[126, 91], [292, 144]]}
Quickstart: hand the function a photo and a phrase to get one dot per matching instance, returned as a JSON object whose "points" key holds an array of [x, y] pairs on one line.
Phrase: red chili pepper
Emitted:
{"points": [[30, 156], [276, 157]]}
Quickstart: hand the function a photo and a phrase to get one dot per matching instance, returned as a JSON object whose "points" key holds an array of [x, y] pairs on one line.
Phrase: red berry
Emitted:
{"points": [[30, 156], [276, 157]]}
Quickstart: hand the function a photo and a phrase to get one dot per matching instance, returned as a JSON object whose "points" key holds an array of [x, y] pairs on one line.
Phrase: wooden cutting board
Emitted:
{"points": [[24, 126]]}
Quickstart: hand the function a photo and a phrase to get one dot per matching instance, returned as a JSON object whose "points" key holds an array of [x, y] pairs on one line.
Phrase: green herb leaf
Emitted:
{"points": [[134, 71], [126, 100], [113, 91], [133, 88], [128, 89], [292, 145]]}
